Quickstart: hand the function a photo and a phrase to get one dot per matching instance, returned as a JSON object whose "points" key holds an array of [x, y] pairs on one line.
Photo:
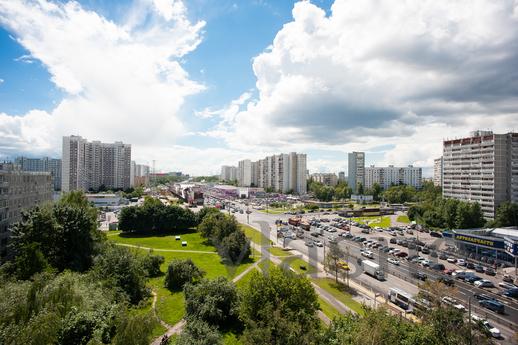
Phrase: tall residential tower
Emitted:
{"points": [[356, 170]]}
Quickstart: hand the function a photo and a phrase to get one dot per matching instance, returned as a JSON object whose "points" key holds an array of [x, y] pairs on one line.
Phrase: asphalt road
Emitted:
{"points": [[398, 276]]}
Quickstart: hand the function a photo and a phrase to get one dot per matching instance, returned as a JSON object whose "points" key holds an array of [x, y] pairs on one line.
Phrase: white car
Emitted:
{"points": [[393, 261], [319, 244], [453, 302], [394, 251], [495, 332], [451, 260], [368, 254], [484, 283], [461, 262]]}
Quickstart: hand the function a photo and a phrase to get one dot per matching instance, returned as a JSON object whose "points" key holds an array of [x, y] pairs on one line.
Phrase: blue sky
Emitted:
{"points": [[201, 83]]}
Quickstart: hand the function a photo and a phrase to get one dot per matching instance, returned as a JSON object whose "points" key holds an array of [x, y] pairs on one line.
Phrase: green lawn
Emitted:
{"points": [[273, 210], [255, 235], [403, 219], [277, 251], [170, 305], [296, 263], [337, 290], [265, 265], [193, 238], [330, 311], [245, 279], [383, 222]]}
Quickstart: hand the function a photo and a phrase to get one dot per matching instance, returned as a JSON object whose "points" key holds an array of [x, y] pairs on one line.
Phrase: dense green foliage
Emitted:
{"points": [[133, 193], [66, 285], [506, 214], [155, 216], [151, 264], [181, 272], [225, 233], [279, 308], [328, 193], [400, 194], [65, 309], [198, 332], [65, 235], [122, 270], [212, 301], [448, 214]]}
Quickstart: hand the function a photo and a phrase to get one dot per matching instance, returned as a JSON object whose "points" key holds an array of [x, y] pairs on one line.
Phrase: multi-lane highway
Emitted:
{"points": [[400, 276]]}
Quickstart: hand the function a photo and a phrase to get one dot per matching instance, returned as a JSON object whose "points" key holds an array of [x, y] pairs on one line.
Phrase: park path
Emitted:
{"points": [[166, 250], [178, 327]]}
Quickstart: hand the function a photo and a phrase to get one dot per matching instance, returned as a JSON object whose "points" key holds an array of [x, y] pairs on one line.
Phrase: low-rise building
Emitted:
{"points": [[19, 190], [328, 179]]}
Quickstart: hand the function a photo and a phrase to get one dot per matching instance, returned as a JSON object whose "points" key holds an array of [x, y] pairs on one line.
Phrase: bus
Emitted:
{"points": [[402, 299]]}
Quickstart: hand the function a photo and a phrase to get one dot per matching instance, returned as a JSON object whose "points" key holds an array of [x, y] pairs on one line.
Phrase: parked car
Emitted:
{"points": [[483, 297], [393, 261], [438, 267], [454, 303], [435, 234], [420, 276], [309, 244], [511, 293], [319, 244], [470, 265], [461, 262], [425, 250], [507, 286], [493, 305], [443, 256], [484, 283], [479, 268], [368, 254], [490, 271], [451, 260], [446, 280], [401, 254], [495, 332], [472, 279]]}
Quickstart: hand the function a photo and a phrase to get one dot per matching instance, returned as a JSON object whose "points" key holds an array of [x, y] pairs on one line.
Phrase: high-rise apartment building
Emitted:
{"points": [[45, 164], [329, 179], [437, 172], [341, 176], [19, 190], [356, 170], [391, 175], [139, 175], [281, 173], [92, 165], [481, 168], [244, 173], [228, 173]]}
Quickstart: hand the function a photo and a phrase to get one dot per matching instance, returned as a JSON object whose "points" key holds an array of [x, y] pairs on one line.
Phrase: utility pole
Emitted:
{"points": [[469, 320]]}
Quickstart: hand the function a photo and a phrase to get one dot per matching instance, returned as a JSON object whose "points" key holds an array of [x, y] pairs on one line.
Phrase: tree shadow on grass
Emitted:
{"points": [[156, 233]]}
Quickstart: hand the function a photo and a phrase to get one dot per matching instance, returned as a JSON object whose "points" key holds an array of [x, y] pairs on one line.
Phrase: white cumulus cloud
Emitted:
{"points": [[123, 81], [400, 73]]}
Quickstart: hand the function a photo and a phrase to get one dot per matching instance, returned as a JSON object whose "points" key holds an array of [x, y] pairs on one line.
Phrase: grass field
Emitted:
{"points": [[337, 290], [254, 235], [383, 222], [279, 251], [403, 219], [330, 311], [273, 210], [170, 305], [296, 263], [164, 241]]}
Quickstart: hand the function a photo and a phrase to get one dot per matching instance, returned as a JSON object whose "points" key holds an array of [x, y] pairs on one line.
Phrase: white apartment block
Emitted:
{"points": [[391, 175], [356, 170], [437, 172], [482, 168], [45, 164], [281, 173], [244, 173], [90, 165], [329, 179], [228, 173]]}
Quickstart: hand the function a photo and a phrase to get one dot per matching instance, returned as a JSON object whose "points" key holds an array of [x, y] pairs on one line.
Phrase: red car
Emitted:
{"points": [[449, 271]]}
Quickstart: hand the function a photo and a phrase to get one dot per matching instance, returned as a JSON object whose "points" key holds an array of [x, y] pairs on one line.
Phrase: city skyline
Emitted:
{"points": [[167, 77]]}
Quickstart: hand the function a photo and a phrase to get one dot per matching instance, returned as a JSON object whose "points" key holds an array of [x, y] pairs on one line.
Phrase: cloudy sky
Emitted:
{"points": [[201, 83]]}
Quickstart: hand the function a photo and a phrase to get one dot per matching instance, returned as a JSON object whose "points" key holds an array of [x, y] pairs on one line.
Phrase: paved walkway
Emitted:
{"points": [[166, 250]]}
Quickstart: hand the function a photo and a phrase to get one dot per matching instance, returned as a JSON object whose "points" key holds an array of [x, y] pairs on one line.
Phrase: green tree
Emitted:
{"points": [[212, 301], [121, 269], [279, 308], [198, 332], [333, 256], [235, 247], [507, 214], [151, 264], [180, 272], [375, 191], [30, 261], [134, 329], [360, 188]]}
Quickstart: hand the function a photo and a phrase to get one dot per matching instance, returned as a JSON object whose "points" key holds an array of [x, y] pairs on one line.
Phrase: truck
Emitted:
{"points": [[305, 225], [295, 221], [373, 269]]}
